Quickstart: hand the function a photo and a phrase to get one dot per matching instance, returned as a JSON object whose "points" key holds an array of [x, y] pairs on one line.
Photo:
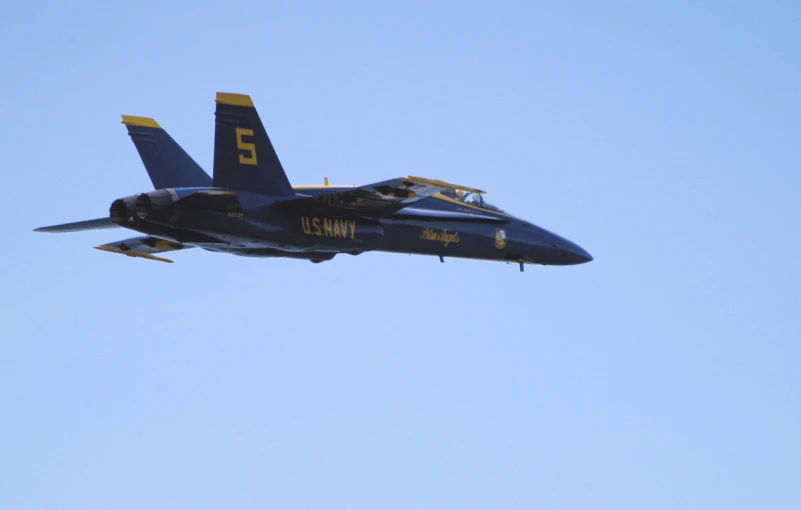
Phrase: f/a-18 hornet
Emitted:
{"points": [[249, 207]]}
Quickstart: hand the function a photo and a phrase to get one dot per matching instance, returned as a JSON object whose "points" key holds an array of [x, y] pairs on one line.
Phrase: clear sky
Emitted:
{"points": [[662, 137]]}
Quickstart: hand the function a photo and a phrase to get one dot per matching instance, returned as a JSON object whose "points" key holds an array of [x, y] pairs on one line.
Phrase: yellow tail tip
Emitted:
{"points": [[234, 99], [131, 120]]}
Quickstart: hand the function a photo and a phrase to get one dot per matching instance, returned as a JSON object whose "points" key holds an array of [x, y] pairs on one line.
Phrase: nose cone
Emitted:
{"points": [[545, 247], [575, 253]]}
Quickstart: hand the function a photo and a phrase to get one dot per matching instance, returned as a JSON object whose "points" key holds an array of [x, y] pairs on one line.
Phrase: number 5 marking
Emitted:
{"points": [[247, 147]]}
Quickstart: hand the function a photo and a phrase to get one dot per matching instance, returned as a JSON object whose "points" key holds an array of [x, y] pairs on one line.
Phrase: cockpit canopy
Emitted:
{"points": [[470, 198]]}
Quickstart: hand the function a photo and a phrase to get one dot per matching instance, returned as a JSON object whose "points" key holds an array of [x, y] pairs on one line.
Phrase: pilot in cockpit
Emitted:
{"points": [[473, 199], [468, 197], [462, 196]]}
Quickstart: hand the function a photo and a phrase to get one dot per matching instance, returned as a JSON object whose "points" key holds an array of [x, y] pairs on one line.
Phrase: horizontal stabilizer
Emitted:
{"points": [[143, 247], [98, 224]]}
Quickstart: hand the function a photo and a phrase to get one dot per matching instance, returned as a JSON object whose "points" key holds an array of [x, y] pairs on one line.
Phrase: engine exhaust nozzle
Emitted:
{"points": [[156, 206], [122, 210]]}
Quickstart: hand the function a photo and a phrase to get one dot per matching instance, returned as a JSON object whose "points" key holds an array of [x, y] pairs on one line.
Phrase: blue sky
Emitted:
{"points": [[663, 138]]}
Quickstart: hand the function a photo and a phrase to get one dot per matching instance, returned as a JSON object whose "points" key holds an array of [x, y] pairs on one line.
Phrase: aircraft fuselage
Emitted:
{"points": [[261, 226]]}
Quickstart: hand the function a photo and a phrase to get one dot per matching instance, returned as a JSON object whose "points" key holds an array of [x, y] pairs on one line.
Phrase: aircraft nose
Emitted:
{"points": [[571, 253], [580, 254], [560, 251]]}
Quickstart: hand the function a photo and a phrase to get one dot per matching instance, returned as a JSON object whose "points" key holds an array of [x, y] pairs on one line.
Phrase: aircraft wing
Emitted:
{"points": [[143, 247], [387, 196]]}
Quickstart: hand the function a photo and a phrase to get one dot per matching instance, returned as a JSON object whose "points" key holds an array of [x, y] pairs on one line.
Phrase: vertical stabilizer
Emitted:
{"points": [[244, 158], [167, 164]]}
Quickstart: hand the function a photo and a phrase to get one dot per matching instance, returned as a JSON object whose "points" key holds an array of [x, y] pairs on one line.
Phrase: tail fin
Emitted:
{"points": [[244, 157], [168, 165]]}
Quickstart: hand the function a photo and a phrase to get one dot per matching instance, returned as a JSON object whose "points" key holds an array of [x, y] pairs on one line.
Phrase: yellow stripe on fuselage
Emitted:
{"points": [[131, 120]]}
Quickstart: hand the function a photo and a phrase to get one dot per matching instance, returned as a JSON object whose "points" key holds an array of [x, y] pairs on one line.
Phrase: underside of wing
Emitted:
{"points": [[388, 196], [143, 247]]}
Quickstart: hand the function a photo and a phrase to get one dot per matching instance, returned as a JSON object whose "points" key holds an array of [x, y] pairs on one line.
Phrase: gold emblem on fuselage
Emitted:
{"points": [[443, 236], [500, 238]]}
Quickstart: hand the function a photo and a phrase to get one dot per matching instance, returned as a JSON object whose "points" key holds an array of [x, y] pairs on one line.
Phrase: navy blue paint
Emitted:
{"points": [[267, 176], [252, 210], [266, 227], [167, 164]]}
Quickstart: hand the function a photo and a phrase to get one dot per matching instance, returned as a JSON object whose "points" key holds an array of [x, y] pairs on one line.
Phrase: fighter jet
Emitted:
{"points": [[249, 207]]}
